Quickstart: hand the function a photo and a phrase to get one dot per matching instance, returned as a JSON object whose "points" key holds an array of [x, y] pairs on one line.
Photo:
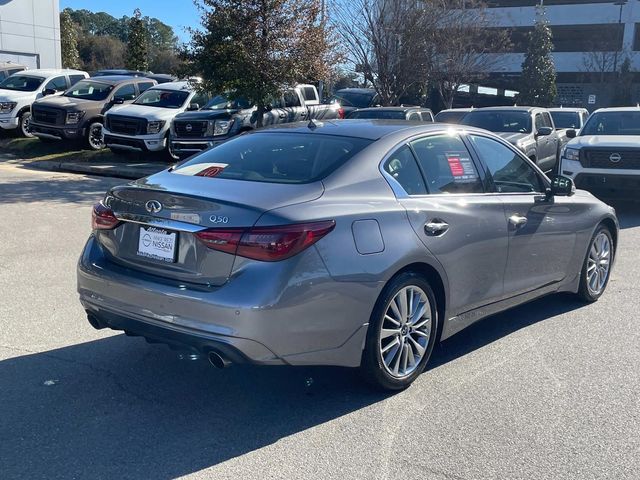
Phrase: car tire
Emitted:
{"points": [[25, 121], [596, 269], [94, 138], [412, 338]]}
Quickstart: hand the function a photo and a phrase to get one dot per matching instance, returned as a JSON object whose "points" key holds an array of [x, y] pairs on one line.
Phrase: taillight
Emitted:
{"points": [[341, 113], [102, 217], [269, 244]]}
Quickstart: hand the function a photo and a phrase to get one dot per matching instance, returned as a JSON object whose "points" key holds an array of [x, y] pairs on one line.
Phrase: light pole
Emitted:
{"points": [[620, 3]]}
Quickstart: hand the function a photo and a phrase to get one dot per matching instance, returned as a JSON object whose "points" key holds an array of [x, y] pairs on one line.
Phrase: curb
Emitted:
{"points": [[131, 173]]}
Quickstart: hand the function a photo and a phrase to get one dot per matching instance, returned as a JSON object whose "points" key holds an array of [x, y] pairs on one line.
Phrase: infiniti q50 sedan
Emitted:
{"points": [[357, 243]]}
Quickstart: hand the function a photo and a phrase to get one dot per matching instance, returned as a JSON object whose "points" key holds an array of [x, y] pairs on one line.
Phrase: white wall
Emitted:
{"points": [[30, 32]]}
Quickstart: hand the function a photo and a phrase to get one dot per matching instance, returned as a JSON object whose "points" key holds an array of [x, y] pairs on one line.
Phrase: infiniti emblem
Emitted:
{"points": [[189, 127], [615, 157], [153, 206]]}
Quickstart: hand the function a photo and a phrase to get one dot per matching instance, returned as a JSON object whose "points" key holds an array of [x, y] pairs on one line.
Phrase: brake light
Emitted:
{"points": [[103, 218], [268, 244], [341, 114]]}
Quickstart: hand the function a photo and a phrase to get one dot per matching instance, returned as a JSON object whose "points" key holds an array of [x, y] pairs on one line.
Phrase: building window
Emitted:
{"points": [[533, 3], [575, 38]]}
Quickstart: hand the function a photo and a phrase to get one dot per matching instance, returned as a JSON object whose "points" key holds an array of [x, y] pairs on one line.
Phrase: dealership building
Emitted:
{"points": [[30, 33], [592, 39]]}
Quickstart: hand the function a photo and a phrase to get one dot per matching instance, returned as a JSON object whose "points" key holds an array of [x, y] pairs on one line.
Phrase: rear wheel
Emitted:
{"points": [[25, 125], [401, 334], [95, 139], [597, 266]]}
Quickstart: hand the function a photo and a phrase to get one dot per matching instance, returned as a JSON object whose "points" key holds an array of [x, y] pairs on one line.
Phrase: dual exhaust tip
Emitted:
{"points": [[214, 357]]}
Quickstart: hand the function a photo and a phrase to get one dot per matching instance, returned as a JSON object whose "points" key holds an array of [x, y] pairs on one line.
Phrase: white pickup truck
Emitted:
{"points": [[143, 126], [20, 90], [604, 156]]}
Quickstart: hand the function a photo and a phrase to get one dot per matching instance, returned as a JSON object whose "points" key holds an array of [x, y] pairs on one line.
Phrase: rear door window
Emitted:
{"points": [[291, 99], [142, 86], [275, 157], [126, 92], [73, 79], [447, 165], [59, 84], [402, 167]]}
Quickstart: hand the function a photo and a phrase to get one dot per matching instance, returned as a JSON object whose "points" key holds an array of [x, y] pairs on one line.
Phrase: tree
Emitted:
{"points": [[388, 42], [538, 85], [467, 48], [254, 48], [622, 96], [138, 43], [99, 52], [69, 41]]}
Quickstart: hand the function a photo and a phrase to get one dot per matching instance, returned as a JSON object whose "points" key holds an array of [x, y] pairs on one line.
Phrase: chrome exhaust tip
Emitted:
{"points": [[218, 360]]}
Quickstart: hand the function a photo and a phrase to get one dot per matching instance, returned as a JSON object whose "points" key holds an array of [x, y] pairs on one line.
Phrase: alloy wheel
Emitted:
{"points": [[96, 141], [405, 331], [598, 263]]}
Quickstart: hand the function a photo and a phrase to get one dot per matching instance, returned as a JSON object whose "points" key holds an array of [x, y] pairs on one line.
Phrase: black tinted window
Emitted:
{"points": [[73, 79], [403, 168], [510, 172], [613, 123], [379, 114], [291, 99], [353, 99], [275, 157], [126, 92], [58, 84], [499, 121], [566, 119], [447, 165], [143, 86], [450, 117]]}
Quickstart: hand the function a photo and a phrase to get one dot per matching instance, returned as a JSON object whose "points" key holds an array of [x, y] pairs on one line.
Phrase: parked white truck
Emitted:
{"points": [[143, 126], [20, 90]]}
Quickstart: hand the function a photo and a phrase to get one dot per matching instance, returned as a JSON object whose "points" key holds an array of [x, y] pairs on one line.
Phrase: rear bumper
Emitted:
{"points": [[264, 316], [56, 133]]}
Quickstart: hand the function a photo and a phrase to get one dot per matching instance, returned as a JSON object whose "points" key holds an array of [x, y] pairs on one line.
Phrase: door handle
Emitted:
{"points": [[436, 227], [517, 220]]}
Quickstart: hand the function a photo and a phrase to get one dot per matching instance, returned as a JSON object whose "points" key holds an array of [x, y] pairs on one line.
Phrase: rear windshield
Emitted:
{"points": [[22, 83], [275, 157], [510, 122], [566, 119], [450, 117], [353, 99], [381, 114], [156, 97], [89, 90], [613, 123]]}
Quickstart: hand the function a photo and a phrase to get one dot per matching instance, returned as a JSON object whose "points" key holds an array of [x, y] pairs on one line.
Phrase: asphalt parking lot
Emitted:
{"points": [[550, 390]]}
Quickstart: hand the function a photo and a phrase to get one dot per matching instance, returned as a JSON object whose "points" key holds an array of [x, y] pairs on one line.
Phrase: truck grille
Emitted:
{"points": [[190, 129], [126, 125], [610, 158], [48, 115]]}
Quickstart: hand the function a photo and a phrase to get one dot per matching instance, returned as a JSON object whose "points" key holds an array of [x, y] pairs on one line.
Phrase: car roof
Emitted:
{"points": [[516, 108], [188, 86], [457, 110], [11, 65], [618, 109], [370, 129], [113, 79], [567, 109], [120, 71], [50, 72], [356, 90]]}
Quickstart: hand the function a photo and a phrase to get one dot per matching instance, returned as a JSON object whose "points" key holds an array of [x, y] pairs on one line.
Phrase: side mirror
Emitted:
{"points": [[193, 106], [571, 133], [562, 186], [118, 101], [544, 131], [48, 91]]}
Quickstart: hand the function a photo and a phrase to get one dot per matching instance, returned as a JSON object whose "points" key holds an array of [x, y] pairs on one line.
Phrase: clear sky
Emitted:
{"points": [[177, 13]]}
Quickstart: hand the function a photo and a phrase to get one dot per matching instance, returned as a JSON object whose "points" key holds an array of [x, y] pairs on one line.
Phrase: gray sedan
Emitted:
{"points": [[357, 243]]}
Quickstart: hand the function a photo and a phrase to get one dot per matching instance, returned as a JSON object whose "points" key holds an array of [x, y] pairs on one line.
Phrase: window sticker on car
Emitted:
{"points": [[461, 167]]}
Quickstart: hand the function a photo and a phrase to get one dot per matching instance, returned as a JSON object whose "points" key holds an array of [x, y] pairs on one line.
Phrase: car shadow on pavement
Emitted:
{"points": [[628, 213], [117, 408]]}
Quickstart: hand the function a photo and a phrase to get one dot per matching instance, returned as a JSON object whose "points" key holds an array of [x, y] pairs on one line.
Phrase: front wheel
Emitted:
{"points": [[95, 138], [25, 125], [402, 332], [596, 269]]}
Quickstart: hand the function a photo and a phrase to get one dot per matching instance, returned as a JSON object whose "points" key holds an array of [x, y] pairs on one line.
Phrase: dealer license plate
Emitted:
{"points": [[157, 244]]}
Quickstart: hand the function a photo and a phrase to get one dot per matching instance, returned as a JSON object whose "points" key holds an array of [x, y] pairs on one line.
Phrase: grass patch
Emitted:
{"points": [[35, 149]]}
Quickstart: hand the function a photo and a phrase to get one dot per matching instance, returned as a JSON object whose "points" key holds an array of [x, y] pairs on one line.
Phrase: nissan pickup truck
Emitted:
{"points": [[604, 156], [143, 126], [221, 119], [78, 114], [20, 90], [530, 129]]}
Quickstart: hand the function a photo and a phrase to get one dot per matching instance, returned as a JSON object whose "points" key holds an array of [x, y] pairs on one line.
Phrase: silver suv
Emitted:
{"points": [[604, 156]]}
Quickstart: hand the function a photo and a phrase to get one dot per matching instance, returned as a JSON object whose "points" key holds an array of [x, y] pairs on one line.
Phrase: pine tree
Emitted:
{"points": [[538, 85], [137, 45], [69, 41]]}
